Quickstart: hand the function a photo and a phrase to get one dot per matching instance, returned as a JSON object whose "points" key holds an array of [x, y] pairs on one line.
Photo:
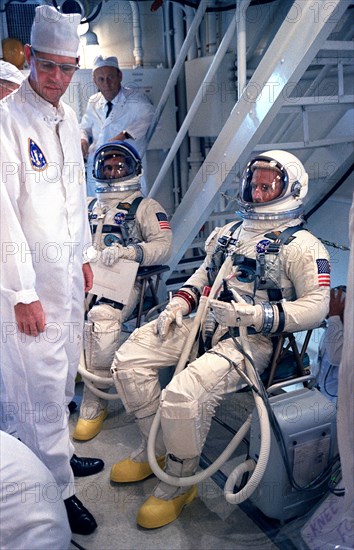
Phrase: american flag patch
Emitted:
{"points": [[163, 221], [323, 270]]}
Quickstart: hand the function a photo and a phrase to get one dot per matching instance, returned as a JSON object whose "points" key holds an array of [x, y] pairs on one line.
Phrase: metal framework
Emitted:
{"points": [[268, 92]]}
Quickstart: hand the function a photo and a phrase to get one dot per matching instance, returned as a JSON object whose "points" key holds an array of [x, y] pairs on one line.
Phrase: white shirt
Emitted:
{"points": [[132, 111]]}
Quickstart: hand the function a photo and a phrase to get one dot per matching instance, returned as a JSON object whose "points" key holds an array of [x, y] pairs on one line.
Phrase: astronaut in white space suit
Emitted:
{"points": [[280, 270], [114, 113], [44, 272], [128, 231]]}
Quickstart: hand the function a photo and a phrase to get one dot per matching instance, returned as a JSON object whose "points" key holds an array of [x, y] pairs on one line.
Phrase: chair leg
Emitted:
{"points": [[276, 356], [154, 288], [300, 368], [141, 303]]}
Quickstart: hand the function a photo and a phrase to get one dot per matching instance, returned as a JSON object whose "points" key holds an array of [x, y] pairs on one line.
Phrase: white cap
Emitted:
{"points": [[9, 72], [101, 61], [54, 32]]}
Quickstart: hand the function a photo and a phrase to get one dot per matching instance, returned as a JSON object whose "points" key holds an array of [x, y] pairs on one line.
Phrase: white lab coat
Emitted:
{"points": [[329, 358], [44, 232], [345, 405], [132, 111], [32, 511], [188, 402]]}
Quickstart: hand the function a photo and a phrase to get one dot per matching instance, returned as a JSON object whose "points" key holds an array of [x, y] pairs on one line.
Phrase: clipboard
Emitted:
{"points": [[114, 282]]}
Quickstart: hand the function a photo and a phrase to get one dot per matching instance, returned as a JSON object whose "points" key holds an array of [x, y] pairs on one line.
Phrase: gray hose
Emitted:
{"points": [[259, 468]]}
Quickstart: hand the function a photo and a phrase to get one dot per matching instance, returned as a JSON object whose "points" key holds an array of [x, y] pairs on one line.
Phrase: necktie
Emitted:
{"points": [[109, 106]]}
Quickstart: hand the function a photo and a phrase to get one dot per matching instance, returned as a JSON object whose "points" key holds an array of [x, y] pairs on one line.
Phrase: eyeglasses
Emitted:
{"points": [[48, 66]]}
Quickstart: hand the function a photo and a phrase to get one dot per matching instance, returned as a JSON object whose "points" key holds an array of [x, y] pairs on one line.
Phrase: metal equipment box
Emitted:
{"points": [[307, 421]]}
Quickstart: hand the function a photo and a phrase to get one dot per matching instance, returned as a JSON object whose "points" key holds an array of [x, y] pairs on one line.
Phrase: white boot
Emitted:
{"points": [[168, 501], [101, 339], [140, 454], [93, 412], [137, 467]]}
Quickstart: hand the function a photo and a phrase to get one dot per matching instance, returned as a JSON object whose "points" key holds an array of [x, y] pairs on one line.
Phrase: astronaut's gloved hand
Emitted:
{"points": [[173, 313], [112, 254], [235, 314]]}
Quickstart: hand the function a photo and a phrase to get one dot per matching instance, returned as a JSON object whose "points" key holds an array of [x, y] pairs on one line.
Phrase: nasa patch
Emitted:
{"points": [[262, 246], [37, 158], [119, 218], [110, 239]]}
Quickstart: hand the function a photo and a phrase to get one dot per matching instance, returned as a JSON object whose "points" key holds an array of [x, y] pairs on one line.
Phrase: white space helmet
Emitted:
{"points": [[294, 186], [116, 167]]}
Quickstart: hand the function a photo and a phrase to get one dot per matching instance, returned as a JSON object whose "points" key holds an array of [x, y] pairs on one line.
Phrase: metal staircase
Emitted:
{"points": [[298, 97]]}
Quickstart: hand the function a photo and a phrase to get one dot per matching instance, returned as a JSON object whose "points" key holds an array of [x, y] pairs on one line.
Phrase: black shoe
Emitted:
{"points": [[82, 466], [72, 407], [80, 519]]}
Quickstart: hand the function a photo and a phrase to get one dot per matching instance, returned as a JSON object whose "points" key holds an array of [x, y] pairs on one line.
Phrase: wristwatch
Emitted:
{"points": [[127, 135]]}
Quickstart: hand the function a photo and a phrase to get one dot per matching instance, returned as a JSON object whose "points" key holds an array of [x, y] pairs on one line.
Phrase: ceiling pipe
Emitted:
{"points": [[138, 51], [241, 8]]}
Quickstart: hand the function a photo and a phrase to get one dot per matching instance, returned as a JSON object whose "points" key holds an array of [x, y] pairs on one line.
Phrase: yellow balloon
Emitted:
{"points": [[13, 52]]}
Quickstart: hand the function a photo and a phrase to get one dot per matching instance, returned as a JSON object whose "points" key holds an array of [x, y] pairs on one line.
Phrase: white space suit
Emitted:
{"points": [[132, 112], [286, 287], [44, 235], [125, 226], [32, 511]]}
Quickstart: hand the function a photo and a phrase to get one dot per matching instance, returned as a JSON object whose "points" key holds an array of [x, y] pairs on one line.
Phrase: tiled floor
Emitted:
{"points": [[208, 523]]}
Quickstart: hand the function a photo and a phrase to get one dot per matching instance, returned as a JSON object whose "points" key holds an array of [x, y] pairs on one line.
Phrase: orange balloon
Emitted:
{"points": [[13, 52]]}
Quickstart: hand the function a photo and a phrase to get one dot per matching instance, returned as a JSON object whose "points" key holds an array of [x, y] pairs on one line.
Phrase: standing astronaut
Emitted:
{"points": [[282, 273], [128, 230]]}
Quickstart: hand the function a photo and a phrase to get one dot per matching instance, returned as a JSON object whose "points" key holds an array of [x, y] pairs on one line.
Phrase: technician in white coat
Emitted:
{"points": [[331, 346], [280, 270], [44, 232], [114, 113], [10, 78], [32, 511]]}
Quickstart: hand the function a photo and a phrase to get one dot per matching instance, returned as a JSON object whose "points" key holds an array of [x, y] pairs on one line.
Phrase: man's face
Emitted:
{"points": [[7, 87], [108, 81], [266, 185], [49, 82], [115, 167]]}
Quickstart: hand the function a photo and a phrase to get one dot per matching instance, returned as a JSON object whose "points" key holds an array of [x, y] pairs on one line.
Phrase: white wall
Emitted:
{"points": [[114, 29], [330, 222]]}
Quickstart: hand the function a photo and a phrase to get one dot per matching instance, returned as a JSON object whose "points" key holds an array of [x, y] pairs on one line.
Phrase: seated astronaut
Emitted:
{"points": [[128, 230], [281, 273]]}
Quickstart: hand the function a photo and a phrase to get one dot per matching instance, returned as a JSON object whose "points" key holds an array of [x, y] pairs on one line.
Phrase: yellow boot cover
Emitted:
{"points": [[87, 429], [156, 512], [127, 470]]}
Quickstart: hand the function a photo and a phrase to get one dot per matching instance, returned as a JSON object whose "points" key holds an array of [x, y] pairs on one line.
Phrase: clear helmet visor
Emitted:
{"points": [[272, 187], [116, 163], [263, 181]]}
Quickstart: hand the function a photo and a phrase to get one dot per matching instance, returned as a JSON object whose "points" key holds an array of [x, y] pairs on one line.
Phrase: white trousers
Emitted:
{"points": [[32, 510], [39, 377], [189, 401], [101, 340]]}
